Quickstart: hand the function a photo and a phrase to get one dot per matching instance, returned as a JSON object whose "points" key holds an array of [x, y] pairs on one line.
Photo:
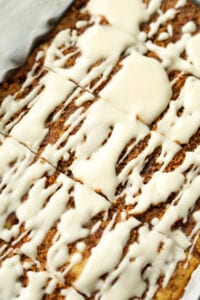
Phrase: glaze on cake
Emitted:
{"points": [[100, 156]]}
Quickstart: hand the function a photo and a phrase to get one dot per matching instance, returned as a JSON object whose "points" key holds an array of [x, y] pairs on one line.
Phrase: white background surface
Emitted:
{"points": [[192, 291], [21, 22]]}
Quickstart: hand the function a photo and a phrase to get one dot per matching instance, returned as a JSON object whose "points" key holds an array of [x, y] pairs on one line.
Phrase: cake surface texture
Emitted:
{"points": [[100, 156]]}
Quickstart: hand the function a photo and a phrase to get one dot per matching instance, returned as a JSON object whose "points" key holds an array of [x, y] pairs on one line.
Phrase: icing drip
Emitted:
{"points": [[171, 54], [106, 49], [72, 294], [180, 207], [193, 49], [131, 173], [10, 273], [163, 36], [87, 282], [128, 272], [125, 14], [70, 228], [56, 89], [189, 27], [181, 127], [141, 77], [10, 106], [103, 158], [28, 177], [162, 19], [10, 286], [180, 3], [35, 288]]}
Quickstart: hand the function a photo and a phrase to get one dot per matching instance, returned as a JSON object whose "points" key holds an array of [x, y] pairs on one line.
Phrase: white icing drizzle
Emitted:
{"points": [[32, 213], [189, 27], [181, 128], [56, 89], [180, 3], [154, 6], [10, 286], [196, 216], [87, 282], [170, 29], [163, 36], [180, 207], [108, 47], [35, 288], [171, 54], [125, 14], [81, 24], [193, 49], [26, 176], [10, 272], [104, 158], [101, 134], [140, 76], [70, 227], [128, 272], [162, 19], [72, 294], [131, 173], [94, 156], [11, 106]]}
